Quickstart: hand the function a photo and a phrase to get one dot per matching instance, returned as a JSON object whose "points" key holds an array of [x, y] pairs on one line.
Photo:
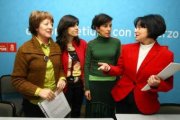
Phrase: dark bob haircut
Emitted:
{"points": [[154, 23], [99, 20]]}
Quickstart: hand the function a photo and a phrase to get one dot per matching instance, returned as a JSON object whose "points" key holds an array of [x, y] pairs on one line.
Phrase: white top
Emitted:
{"points": [[143, 51]]}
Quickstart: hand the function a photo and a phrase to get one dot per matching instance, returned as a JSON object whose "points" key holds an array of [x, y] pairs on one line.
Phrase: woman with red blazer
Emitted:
{"points": [[139, 65], [73, 54]]}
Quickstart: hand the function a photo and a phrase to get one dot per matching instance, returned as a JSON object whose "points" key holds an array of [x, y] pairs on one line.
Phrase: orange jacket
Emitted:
{"points": [[30, 67]]}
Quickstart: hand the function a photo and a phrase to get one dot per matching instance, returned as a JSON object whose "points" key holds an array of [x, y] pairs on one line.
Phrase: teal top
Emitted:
{"points": [[100, 50]]}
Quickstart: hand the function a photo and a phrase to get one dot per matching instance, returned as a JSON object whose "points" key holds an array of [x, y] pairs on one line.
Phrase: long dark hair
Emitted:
{"points": [[64, 23]]}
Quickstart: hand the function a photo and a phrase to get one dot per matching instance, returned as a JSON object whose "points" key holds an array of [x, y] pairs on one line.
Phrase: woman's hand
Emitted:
{"points": [[154, 81], [104, 66], [47, 94], [60, 85], [88, 94]]}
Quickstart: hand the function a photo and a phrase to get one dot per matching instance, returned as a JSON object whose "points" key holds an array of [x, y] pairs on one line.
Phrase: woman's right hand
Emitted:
{"points": [[103, 66], [88, 94], [47, 94]]}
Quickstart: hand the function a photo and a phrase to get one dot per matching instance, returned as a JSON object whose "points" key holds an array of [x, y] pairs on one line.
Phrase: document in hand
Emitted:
{"points": [[57, 108], [168, 71]]}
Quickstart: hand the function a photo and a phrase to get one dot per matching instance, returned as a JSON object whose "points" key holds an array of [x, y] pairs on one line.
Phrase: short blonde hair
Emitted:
{"points": [[36, 17]]}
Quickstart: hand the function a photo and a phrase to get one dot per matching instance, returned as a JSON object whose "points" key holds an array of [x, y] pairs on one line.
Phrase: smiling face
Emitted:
{"points": [[44, 31], [73, 31], [105, 29]]}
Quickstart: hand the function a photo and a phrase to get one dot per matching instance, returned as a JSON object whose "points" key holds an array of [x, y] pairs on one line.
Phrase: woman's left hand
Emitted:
{"points": [[154, 81]]}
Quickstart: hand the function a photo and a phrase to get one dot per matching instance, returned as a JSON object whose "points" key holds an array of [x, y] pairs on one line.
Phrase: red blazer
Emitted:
{"points": [[80, 50], [157, 59]]}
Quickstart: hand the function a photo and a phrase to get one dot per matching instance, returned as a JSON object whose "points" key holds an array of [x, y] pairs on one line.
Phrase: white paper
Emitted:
{"points": [[57, 108], [168, 71]]}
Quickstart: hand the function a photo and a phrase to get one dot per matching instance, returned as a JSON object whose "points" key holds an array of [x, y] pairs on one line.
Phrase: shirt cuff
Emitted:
{"points": [[37, 92], [62, 78]]}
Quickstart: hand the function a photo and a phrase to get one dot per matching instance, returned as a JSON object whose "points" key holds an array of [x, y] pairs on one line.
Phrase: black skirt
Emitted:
{"points": [[102, 104]]}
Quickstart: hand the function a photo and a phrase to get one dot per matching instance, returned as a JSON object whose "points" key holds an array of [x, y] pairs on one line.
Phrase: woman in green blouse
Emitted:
{"points": [[103, 48]]}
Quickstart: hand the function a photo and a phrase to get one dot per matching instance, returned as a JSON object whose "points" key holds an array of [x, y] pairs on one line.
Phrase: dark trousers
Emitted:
{"points": [[74, 96], [31, 110], [127, 105]]}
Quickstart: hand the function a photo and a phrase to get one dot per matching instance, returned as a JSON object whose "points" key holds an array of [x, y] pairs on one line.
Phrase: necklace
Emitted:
{"points": [[70, 48]]}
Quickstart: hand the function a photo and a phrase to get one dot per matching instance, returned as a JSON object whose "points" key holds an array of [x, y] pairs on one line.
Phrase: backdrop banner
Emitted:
{"points": [[15, 15]]}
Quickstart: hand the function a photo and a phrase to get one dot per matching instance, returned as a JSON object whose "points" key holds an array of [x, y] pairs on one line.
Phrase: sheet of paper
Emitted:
{"points": [[57, 108], [168, 71]]}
